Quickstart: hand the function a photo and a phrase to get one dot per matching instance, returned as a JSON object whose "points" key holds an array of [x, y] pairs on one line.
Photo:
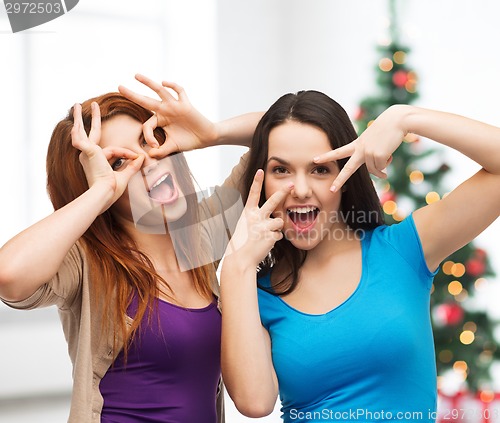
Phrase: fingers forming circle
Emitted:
{"points": [[157, 88], [148, 128], [95, 129], [177, 88]]}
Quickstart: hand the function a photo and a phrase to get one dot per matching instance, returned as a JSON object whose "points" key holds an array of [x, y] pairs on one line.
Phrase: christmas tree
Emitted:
{"points": [[463, 336]]}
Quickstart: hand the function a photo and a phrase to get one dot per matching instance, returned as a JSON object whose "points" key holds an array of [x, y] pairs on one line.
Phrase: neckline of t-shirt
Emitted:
{"points": [[196, 310], [349, 299]]}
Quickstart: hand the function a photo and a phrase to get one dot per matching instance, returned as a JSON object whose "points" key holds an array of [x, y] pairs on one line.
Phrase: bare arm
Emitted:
{"points": [[185, 127], [477, 140], [449, 224], [34, 256], [247, 365], [237, 130]]}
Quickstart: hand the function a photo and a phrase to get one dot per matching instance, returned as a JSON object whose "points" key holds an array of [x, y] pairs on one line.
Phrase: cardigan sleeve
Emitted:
{"points": [[62, 289], [221, 210]]}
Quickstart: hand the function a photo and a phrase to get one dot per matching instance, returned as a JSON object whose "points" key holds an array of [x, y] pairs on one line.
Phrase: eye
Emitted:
{"points": [[321, 170], [117, 164], [143, 142], [279, 170]]}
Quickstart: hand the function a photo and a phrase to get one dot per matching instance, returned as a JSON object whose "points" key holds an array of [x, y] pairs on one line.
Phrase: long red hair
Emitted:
{"points": [[118, 269]]}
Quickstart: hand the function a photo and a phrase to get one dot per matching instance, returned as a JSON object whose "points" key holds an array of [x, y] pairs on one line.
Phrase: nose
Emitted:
{"points": [[301, 187], [149, 164]]}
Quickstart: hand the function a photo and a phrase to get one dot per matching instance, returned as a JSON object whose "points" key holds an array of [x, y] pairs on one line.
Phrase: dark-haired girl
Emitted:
{"points": [[339, 326]]}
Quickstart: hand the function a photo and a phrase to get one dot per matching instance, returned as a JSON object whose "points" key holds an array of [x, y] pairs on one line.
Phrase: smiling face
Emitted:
{"points": [[311, 211], [153, 196]]}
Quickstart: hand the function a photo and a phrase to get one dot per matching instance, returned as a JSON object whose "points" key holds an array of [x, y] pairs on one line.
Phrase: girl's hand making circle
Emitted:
{"points": [[185, 127], [257, 231], [95, 160]]}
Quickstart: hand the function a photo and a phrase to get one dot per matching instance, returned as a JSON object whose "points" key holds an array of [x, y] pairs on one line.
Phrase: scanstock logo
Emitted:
{"points": [[25, 14]]}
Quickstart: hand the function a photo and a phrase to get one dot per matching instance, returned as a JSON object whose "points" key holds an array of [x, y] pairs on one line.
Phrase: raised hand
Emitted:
{"points": [[374, 147], [256, 231], [185, 127], [95, 160]]}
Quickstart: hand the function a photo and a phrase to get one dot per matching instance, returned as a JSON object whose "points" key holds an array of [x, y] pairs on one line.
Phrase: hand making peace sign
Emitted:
{"points": [[374, 147], [257, 231]]}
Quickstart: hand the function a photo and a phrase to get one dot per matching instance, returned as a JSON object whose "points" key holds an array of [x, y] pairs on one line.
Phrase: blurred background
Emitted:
{"points": [[235, 56]]}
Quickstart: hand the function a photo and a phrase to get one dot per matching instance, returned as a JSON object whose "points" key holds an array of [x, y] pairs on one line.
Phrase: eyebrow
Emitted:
{"points": [[279, 160], [284, 162]]}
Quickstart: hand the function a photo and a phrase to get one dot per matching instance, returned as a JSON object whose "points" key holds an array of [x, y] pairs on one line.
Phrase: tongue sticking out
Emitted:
{"points": [[164, 192], [303, 220]]}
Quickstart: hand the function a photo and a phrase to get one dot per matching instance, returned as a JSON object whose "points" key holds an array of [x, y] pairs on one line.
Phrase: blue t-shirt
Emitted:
{"points": [[369, 359]]}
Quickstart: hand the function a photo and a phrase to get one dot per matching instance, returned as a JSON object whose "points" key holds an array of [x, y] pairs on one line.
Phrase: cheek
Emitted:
{"points": [[122, 207], [333, 209], [183, 192], [269, 188], [271, 185]]}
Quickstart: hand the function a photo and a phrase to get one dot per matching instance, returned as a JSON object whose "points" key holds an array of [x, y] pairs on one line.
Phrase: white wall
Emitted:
{"points": [[232, 56]]}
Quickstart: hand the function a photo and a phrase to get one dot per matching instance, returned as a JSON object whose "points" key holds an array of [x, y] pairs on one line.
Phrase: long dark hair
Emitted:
{"points": [[359, 199]]}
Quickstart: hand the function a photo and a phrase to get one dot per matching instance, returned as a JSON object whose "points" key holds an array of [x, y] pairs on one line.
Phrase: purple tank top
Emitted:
{"points": [[172, 370]]}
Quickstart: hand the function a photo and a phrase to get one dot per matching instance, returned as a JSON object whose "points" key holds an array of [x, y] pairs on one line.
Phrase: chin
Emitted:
{"points": [[157, 219], [304, 247], [172, 213], [302, 243]]}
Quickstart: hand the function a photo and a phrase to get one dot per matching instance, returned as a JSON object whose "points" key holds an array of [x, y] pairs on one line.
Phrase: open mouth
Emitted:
{"points": [[303, 217], [163, 190]]}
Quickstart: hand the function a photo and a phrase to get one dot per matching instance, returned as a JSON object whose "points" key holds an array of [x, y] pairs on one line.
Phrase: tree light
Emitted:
{"points": [[385, 64], [432, 197], [467, 337]]}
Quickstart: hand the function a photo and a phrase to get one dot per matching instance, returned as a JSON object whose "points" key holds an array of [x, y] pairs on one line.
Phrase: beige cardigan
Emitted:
{"points": [[91, 353]]}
